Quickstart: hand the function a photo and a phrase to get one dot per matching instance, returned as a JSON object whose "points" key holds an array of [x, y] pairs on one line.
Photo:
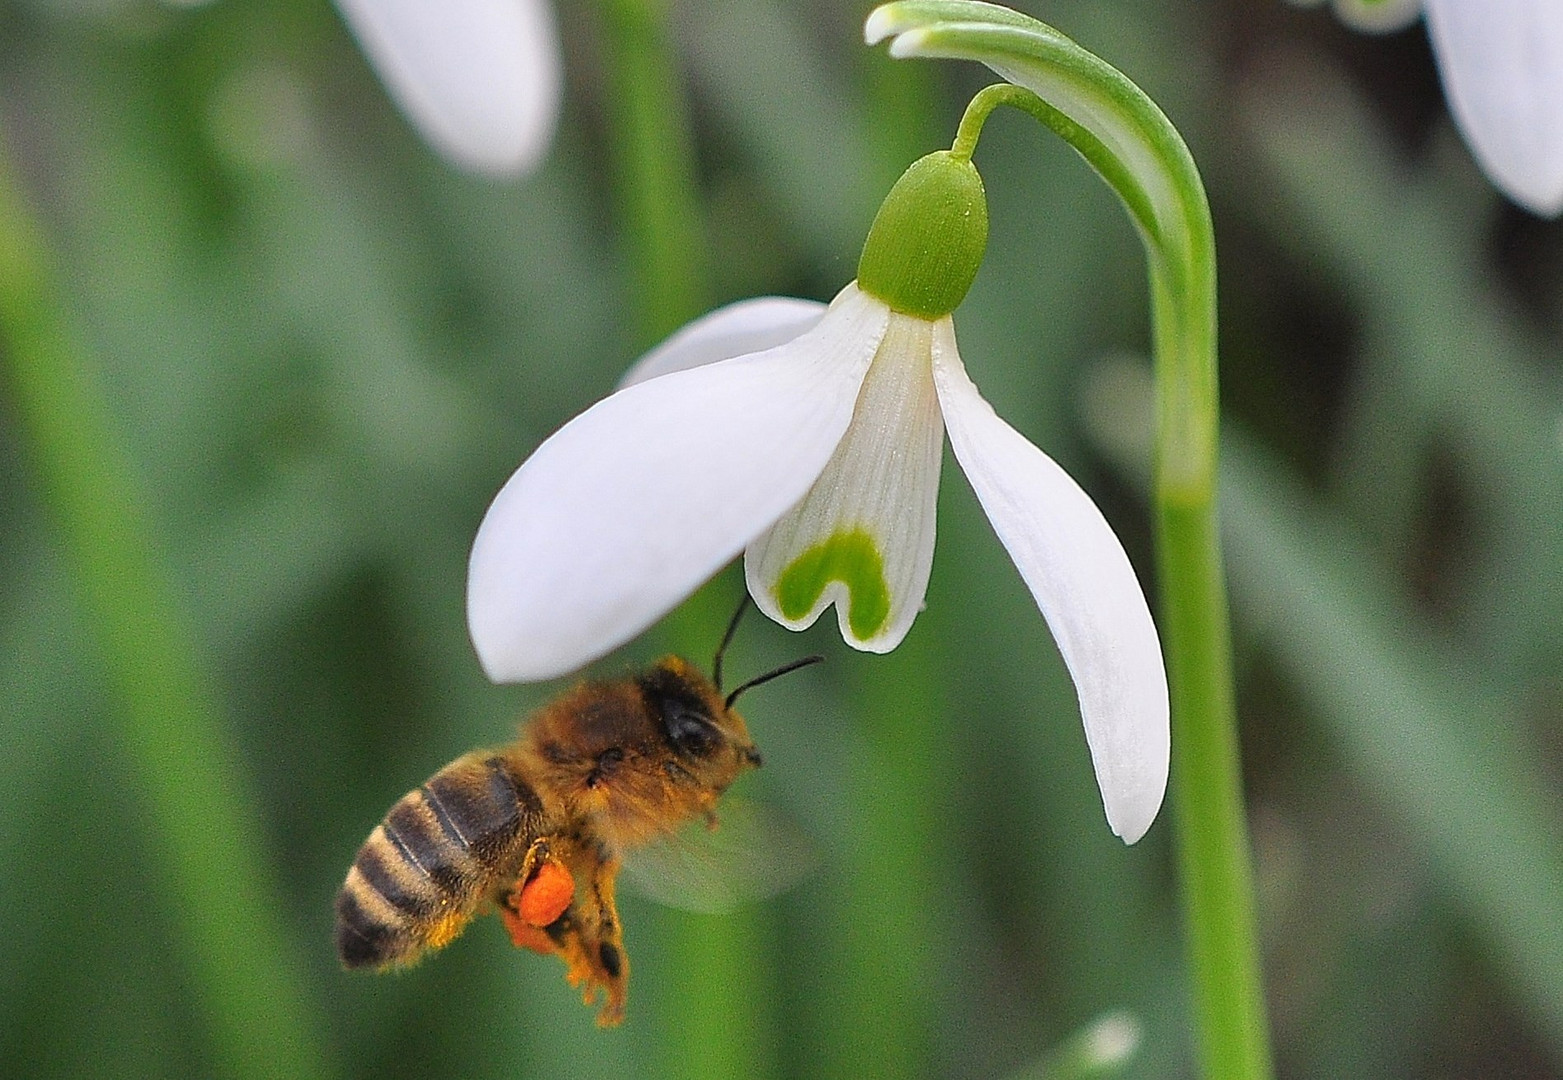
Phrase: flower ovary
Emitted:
{"points": [[928, 238]]}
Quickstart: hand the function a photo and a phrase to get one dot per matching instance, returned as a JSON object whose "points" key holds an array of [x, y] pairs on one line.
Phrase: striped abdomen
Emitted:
{"points": [[439, 854]]}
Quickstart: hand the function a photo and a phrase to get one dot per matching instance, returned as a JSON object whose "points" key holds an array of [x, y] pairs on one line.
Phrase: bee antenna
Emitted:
{"points": [[727, 639], [785, 669]]}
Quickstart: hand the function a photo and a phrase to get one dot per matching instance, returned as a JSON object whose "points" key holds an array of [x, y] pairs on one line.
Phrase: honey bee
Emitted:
{"points": [[538, 829]]}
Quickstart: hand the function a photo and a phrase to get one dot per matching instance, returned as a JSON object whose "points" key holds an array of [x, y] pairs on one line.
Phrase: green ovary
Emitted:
{"points": [[851, 558]]}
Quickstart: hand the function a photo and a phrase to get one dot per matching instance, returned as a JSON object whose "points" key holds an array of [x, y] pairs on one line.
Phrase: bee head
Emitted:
{"points": [[708, 739]]}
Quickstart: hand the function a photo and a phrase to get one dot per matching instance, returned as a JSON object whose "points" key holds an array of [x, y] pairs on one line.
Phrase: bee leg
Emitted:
{"points": [[538, 852], [610, 962], [542, 894], [565, 905], [546, 895], [590, 942]]}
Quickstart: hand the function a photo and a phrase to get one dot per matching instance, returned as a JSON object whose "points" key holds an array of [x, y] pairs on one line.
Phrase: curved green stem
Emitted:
{"points": [[1131, 143], [179, 753], [1080, 137]]}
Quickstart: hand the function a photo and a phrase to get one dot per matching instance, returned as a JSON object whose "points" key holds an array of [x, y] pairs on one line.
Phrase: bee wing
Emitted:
{"points": [[752, 853]]}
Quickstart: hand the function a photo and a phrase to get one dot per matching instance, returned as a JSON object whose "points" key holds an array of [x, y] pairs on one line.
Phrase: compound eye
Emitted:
{"points": [[692, 733]]}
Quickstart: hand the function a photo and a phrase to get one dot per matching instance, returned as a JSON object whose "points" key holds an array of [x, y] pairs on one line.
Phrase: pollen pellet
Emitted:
{"points": [[546, 896], [524, 935]]}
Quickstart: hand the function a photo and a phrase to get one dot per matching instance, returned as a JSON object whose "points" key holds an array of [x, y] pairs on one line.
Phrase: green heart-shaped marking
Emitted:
{"points": [[851, 558]]}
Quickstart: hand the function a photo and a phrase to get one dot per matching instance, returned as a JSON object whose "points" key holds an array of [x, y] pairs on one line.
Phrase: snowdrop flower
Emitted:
{"points": [[479, 79], [1502, 67], [1501, 62], [810, 438]]}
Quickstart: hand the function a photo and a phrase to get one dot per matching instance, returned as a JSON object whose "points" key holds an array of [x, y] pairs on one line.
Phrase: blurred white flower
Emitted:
{"points": [[811, 438], [480, 79], [1501, 62], [1502, 66]]}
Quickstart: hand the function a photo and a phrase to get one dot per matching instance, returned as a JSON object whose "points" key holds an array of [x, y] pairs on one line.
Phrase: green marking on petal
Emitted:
{"points": [[850, 557]]}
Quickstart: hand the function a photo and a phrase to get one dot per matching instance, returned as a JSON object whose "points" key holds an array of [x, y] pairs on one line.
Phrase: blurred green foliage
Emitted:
{"points": [[325, 351]]}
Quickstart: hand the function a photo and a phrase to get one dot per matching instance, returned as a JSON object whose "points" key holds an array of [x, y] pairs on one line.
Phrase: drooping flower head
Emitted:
{"points": [[809, 438]]}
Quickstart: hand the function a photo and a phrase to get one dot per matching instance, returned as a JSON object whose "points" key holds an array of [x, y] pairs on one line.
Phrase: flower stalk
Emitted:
{"points": [[718, 989], [178, 752], [654, 167], [714, 1009], [895, 846], [1132, 145]]}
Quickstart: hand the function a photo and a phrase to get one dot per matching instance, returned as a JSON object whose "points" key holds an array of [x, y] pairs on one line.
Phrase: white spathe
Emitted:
{"points": [[1502, 66], [480, 79], [835, 429]]}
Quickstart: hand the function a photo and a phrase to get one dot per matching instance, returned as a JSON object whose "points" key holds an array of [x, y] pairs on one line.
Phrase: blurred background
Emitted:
{"points": [[322, 351]]}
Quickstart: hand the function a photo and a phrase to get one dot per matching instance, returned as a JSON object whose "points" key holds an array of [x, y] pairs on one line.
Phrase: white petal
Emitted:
{"points": [[1081, 579], [630, 506], [862, 538], [1502, 66], [745, 327], [478, 78]]}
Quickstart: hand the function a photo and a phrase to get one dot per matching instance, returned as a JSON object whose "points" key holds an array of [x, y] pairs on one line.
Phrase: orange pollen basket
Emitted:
{"points": [[547, 895]]}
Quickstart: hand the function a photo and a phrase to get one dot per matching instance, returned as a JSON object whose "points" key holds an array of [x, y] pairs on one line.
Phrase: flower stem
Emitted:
{"points": [[654, 167], [1135, 148], [1212, 830], [715, 1013], [883, 988], [714, 1008], [979, 108], [179, 754]]}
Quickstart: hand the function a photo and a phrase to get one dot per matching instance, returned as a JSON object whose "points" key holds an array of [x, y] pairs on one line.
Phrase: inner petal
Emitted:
{"points": [[863, 537]]}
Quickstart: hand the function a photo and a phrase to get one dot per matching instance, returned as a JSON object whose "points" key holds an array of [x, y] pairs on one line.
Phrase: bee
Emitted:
{"points": [[538, 830]]}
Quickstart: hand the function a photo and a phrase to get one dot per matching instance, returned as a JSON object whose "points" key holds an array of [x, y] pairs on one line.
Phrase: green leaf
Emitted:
{"points": [[1408, 714]]}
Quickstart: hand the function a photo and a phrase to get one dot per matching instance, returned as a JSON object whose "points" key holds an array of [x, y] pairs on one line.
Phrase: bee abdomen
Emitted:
{"points": [[435, 858]]}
